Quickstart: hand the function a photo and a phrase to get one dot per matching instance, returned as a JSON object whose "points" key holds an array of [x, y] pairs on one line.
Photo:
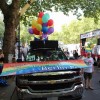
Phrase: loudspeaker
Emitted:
{"points": [[51, 44], [36, 44], [43, 44]]}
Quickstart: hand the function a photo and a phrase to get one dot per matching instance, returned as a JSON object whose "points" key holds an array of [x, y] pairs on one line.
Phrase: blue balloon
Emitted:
{"points": [[44, 29]]}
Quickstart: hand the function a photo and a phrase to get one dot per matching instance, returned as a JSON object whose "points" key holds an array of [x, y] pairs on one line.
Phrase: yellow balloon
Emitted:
{"points": [[33, 26], [39, 27], [34, 22]]}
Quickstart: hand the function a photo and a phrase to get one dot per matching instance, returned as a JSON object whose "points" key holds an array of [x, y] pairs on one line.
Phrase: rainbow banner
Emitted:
{"points": [[35, 67]]}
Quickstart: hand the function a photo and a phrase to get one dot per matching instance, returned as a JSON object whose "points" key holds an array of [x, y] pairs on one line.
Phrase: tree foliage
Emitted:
{"points": [[90, 8], [71, 33]]}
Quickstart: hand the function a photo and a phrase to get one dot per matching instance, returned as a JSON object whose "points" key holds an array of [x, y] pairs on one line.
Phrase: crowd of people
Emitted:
{"points": [[72, 54], [24, 48]]}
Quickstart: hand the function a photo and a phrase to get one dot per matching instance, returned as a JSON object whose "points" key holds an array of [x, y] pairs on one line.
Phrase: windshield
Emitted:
{"points": [[46, 55]]}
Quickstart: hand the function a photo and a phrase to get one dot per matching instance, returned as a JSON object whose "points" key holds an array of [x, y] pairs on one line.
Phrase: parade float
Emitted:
{"points": [[47, 72]]}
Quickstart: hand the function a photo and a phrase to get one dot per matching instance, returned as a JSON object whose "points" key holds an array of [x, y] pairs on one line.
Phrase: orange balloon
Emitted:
{"points": [[40, 33], [39, 20], [33, 26]]}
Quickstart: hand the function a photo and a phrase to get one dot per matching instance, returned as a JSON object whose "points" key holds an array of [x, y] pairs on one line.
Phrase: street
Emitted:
{"points": [[8, 93]]}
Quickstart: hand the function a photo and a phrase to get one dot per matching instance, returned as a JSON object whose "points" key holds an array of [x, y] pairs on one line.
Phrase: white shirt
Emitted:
{"points": [[89, 62], [25, 50]]}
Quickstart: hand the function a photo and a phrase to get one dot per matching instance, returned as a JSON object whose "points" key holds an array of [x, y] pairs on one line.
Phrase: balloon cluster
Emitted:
{"points": [[42, 27]]}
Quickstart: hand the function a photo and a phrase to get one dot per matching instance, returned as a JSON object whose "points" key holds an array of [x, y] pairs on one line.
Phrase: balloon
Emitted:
{"points": [[45, 18], [33, 26], [50, 30], [30, 30], [39, 27], [44, 29], [40, 33], [34, 22], [44, 35], [50, 26], [50, 22], [41, 14], [36, 32], [44, 24], [39, 20], [47, 15]]}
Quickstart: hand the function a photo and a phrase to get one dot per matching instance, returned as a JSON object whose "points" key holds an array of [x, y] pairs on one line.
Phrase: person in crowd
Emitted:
{"points": [[17, 50], [1, 60], [67, 53], [88, 72], [24, 51], [75, 54]]}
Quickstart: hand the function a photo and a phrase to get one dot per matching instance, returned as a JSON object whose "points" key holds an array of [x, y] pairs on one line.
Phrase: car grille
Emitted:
{"points": [[51, 86], [49, 81]]}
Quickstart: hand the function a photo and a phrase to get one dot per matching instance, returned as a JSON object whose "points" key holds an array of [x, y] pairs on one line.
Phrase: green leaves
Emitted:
{"points": [[90, 8], [71, 34], [1, 29]]}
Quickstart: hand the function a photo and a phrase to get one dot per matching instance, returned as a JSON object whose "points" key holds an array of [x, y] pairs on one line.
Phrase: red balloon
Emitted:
{"points": [[36, 32], [41, 14], [50, 22]]}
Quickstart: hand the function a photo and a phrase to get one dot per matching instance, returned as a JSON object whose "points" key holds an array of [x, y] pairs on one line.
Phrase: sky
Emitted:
{"points": [[60, 19]]}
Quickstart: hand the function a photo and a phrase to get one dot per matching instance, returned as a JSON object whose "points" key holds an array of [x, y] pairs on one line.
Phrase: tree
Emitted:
{"points": [[11, 18], [11, 14], [71, 34]]}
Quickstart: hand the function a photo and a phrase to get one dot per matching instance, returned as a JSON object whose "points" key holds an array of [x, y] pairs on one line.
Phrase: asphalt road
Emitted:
{"points": [[7, 92]]}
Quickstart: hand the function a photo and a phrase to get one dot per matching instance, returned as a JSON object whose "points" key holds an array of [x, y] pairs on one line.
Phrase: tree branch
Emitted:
{"points": [[3, 6]]}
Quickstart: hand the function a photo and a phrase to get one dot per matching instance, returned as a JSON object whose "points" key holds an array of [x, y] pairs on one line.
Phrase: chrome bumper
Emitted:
{"points": [[76, 90]]}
